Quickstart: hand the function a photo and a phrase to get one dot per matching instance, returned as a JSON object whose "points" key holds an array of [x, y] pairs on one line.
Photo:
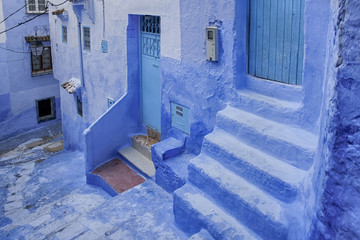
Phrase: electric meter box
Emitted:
{"points": [[212, 44]]}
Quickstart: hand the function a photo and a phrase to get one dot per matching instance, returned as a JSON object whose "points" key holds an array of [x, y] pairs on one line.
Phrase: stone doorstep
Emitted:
{"points": [[143, 144], [142, 163], [153, 134]]}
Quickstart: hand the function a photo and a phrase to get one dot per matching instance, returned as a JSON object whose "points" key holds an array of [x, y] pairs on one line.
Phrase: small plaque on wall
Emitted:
{"points": [[104, 46]]}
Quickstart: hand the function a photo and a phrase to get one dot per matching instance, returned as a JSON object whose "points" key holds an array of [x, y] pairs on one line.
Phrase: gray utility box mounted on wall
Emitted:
{"points": [[212, 51]]}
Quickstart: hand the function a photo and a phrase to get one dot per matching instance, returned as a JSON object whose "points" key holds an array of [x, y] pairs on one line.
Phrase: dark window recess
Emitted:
{"points": [[42, 64], [64, 34], [87, 43], [45, 109], [79, 106]]}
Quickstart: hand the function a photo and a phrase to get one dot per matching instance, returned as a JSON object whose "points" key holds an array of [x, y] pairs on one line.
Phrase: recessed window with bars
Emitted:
{"points": [[276, 40], [42, 64], [87, 42], [36, 6], [64, 34], [79, 106]]}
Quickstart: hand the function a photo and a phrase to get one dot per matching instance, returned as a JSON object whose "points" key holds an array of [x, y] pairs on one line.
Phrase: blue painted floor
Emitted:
{"points": [[49, 199]]}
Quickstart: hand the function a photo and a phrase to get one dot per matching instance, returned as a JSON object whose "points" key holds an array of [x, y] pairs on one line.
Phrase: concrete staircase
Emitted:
{"points": [[249, 180], [139, 154]]}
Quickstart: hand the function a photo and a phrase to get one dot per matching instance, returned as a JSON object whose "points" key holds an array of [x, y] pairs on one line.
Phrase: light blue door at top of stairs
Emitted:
{"points": [[276, 41], [150, 81]]}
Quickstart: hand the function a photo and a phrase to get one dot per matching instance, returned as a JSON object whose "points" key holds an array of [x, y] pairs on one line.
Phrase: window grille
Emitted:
{"points": [[36, 6], [79, 106], [42, 63], [150, 24], [87, 43], [64, 34]]}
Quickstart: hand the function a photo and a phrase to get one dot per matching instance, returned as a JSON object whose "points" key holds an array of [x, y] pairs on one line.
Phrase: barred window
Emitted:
{"points": [[36, 6], [79, 106], [64, 34], [87, 43], [42, 63]]}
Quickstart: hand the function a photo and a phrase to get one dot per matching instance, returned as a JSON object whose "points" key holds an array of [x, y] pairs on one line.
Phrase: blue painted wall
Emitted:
{"points": [[193, 82], [202, 86], [19, 89], [339, 209]]}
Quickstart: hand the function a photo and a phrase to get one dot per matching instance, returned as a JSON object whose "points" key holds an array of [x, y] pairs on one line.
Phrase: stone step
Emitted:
{"points": [[253, 207], [138, 160], [277, 177], [292, 144], [142, 144], [271, 108], [202, 235], [194, 211]]}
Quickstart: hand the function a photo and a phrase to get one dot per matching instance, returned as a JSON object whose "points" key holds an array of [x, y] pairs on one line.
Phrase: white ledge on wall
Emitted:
{"points": [[72, 85], [40, 73], [87, 5], [62, 14]]}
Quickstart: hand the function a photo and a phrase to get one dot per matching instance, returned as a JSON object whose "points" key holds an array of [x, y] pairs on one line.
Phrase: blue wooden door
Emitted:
{"points": [[276, 41], [150, 72]]}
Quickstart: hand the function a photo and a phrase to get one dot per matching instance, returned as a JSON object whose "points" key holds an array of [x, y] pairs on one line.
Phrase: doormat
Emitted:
{"points": [[118, 175]]}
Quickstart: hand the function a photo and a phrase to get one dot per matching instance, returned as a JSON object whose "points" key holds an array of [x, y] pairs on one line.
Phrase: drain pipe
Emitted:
{"points": [[81, 56], [103, 2], [77, 10]]}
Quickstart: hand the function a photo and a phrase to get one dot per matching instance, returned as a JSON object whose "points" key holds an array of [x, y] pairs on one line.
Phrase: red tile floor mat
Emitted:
{"points": [[118, 175]]}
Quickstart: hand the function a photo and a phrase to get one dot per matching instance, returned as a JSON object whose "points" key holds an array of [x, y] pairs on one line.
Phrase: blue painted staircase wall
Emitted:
{"points": [[249, 181]]}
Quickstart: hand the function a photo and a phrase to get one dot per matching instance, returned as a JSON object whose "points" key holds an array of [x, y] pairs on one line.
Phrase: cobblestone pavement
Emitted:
{"points": [[45, 196]]}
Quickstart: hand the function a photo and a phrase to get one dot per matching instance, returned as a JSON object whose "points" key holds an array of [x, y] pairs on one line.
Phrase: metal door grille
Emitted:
{"points": [[150, 24], [150, 45]]}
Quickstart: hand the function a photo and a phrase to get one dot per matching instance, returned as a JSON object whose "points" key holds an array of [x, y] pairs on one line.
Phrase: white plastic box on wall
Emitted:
{"points": [[212, 51]]}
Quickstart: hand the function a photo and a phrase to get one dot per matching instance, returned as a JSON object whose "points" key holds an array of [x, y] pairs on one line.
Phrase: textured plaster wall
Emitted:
{"points": [[187, 78], [194, 82], [104, 80], [339, 209], [66, 65], [105, 74], [19, 89], [4, 79]]}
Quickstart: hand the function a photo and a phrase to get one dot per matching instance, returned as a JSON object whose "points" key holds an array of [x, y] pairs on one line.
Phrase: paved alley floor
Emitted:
{"points": [[46, 197]]}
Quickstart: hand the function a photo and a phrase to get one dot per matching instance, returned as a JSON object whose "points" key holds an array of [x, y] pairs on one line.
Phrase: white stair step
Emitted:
{"points": [[284, 141], [274, 175], [247, 97], [138, 160], [221, 225], [268, 107], [241, 197]]}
